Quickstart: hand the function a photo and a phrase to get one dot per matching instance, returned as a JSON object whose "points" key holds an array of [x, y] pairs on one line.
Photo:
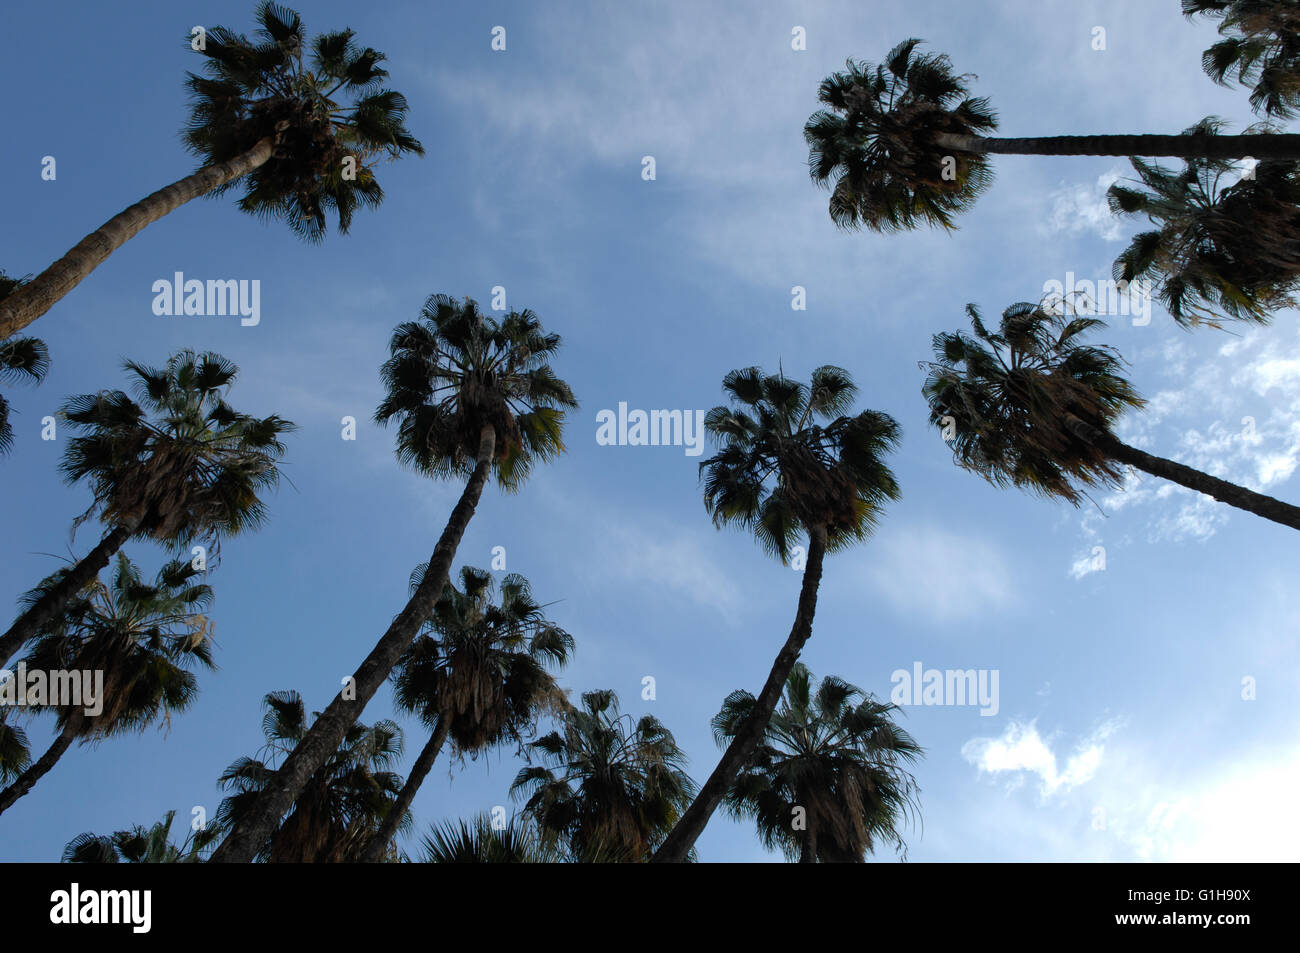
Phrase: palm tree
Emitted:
{"points": [[790, 463], [613, 789], [185, 468], [144, 637], [267, 115], [1030, 406], [479, 842], [472, 396], [15, 755], [1261, 42], [479, 678], [340, 807], [139, 845], [20, 359], [1229, 248], [904, 145], [835, 754]]}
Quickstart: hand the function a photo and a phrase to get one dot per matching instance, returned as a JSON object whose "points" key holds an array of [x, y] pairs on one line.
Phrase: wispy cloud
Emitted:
{"points": [[1083, 209]]}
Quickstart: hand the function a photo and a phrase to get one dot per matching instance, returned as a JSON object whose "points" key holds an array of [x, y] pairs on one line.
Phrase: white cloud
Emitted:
{"points": [[1083, 208], [1021, 749], [939, 575]]}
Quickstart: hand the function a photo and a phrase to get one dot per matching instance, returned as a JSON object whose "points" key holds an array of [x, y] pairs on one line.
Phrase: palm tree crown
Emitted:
{"points": [[1261, 42], [614, 788], [139, 845], [279, 86], [21, 359], [483, 665], [835, 753], [184, 467], [1007, 396], [145, 637], [342, 804], [456, 371], [1224, 244], [875, 142], [790, 462]]}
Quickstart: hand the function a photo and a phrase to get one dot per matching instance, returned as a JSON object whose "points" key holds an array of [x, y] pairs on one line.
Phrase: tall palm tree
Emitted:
{"points": [[21, 359], [903, 144], [299, 122], [1030, 406], [1261, 43], [139, 845], [144, 637], [1224, 244], [791, 463], [838, 756], [477, 678], [342, 804], [472, 396], [184, 468], [614, 788], [477, 841]]}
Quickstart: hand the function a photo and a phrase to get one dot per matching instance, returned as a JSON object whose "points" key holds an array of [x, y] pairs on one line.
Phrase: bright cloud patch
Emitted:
{"points": [[1021, 750]]}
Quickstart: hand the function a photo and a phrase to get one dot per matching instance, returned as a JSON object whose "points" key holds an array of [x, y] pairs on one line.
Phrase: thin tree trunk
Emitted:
{"points": [[326, 733], [682, 837], [1221, 490], [33, 299], [374, 851], [1267, 146], [27, 780], [53, 602]]}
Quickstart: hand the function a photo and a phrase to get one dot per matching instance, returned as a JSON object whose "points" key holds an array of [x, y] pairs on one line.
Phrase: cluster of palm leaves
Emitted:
{"points": [[822, 772]]}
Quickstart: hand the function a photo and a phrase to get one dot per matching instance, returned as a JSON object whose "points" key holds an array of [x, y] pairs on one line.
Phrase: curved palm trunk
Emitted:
{"points": [[1267, 146], [681, 839], [374, 851], [40, 294], [326, 733], [27, 780], [1221, 490], [53, 602]]}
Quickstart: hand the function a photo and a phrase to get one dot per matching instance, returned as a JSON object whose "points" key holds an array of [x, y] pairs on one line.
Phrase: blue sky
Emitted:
{"points": [[1121, 731]]}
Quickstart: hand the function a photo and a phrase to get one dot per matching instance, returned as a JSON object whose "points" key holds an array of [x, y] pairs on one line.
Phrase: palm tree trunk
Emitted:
{"points": [[374, 851], [27, 780], [33, 299], [1267, 146], [808, 849], [53, 602], [326, 733], [1221, 490], [682, 837]]}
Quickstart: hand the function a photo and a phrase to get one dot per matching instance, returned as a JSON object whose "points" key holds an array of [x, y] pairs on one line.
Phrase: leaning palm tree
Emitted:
{"points": [[1030, 406], [139, 845], [791, 463], [479, 841], [1225, 244], [903, 144], [145, 639], [299, 122], [829, 782], [473, 397], [614, 788], [21, 359], [343, 803], [478, 678], [183, 469], [1261, 43]]}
